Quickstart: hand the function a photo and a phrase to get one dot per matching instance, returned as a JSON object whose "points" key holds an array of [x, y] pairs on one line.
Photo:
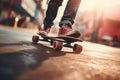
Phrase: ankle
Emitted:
{"points": [[66, 22]]}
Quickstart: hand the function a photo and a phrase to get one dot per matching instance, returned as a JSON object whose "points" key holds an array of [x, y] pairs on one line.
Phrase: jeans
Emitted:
{"points": [[69, 13]]}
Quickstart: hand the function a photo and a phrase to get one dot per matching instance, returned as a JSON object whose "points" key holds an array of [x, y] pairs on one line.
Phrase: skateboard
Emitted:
{"points": [[59, 42]]}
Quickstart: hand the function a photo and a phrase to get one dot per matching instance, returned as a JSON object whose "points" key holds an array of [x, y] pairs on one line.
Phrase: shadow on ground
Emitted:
{"points": [[14, 64]]}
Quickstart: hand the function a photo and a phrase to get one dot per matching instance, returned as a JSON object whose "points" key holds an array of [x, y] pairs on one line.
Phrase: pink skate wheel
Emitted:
{"points": [[77, 48], [57, 45], [35, 38]]}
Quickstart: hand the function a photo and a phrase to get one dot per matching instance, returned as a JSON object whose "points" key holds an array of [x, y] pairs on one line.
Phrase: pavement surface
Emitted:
{"points": [[20, 59]]}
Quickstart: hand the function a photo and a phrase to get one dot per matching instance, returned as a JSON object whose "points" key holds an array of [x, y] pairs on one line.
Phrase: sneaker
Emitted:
{"points": [[66, 30], [44, 31]]}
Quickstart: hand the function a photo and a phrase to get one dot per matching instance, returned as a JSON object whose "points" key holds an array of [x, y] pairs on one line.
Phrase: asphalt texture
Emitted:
{"points": [[20, 59]]}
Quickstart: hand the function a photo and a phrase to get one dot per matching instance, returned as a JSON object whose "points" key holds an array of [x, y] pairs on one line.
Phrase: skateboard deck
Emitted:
{"points": [[64, 38], [68, 39], [57, 41]]}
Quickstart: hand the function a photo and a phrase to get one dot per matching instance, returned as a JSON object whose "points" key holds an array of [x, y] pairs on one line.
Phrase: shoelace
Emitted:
{"points": [[62, 30], [47, 30]]}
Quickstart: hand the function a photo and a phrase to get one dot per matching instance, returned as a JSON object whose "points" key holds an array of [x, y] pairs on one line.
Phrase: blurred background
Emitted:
{"points": [[98, 20]]}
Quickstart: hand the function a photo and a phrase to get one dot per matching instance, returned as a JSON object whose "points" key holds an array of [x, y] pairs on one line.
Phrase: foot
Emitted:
{"points": [[67, 30], [44, 31]]}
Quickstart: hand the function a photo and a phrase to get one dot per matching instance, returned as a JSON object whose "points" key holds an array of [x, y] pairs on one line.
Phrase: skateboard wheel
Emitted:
{"points": [[35, 39], [57, 45], [77, 48]]}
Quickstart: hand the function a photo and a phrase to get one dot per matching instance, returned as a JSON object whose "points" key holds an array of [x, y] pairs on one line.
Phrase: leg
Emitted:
{"points": [[70, 11], [50, 16], [51, 12], [68, 19]]}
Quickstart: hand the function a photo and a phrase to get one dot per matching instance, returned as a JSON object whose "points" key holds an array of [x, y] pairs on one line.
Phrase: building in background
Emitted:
{"points": [[101, 24], [25, 10]]}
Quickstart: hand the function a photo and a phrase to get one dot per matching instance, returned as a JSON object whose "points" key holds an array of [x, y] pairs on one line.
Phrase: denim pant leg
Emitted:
{"points": [[51, 12], [70, 11]]}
